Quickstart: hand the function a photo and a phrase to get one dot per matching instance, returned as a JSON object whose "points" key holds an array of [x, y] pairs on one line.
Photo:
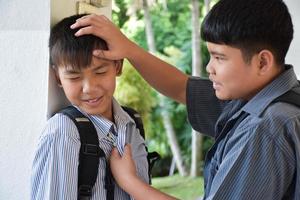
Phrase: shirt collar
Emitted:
{"points": [[119, 114], [104, 125], [283, 83]]}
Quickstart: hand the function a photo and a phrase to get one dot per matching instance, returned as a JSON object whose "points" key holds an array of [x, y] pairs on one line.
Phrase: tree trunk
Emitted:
{"points": [[165, 5], [149, 31], [166, 118], [207, 5], [173, 140], [197, 141], [197, 138]]}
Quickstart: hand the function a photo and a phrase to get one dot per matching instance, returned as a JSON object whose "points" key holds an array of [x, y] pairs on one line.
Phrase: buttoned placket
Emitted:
{"points": [[112, 136], [230, 126]]}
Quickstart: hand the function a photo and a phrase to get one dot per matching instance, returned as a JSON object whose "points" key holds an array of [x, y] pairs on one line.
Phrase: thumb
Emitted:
{"points": [[115, 154], [105, 54]]}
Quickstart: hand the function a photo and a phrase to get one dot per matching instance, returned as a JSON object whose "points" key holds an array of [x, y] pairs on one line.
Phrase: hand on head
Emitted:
{"points": [[123, 168], [102, 27]]}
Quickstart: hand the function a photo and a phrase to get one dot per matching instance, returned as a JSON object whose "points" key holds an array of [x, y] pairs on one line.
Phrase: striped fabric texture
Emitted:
{"points": [[55, 166], [260, 159]]}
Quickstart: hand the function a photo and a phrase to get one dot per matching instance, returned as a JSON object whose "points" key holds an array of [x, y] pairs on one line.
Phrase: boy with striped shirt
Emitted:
{"points": [[88, 83]]}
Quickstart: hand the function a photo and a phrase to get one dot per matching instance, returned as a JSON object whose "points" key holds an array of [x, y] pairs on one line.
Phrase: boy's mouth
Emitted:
{"points": [[93, 101], [216, 85]]}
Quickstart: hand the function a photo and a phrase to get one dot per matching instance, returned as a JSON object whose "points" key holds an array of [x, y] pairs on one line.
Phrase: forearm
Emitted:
{"points": [[162, 76], [124, 171]]}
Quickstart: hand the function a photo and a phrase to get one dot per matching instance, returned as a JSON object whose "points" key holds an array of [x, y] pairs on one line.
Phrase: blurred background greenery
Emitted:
{"points": [[167, 29], [187, 188]]}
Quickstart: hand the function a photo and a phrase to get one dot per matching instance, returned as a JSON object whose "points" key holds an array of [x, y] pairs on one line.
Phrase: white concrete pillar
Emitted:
{"points": [[27, 91], [293, 56], [24, 32]]}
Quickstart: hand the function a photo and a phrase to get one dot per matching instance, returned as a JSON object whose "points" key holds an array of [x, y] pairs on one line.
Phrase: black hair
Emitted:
{"points": [[70, 51], [251, 26]]}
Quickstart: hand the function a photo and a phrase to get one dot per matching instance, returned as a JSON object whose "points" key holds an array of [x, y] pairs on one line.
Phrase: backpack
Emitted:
{"points": [[90, 152], [291, 97]]}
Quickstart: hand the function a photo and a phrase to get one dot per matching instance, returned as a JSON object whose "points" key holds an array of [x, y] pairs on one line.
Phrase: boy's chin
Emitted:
{"points": [[223, 97], [98, 112], [220, 96]]}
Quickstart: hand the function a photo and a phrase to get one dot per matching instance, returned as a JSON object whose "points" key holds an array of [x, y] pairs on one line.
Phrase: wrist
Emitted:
{"points": [[131, 184], [133, 50]]}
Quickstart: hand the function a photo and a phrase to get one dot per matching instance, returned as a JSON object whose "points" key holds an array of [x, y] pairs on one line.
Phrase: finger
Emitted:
{"points": [[93, 15], [114, 158], [104, 54], [85, 16], [89, 20], [104, 17], [115, 153], [88, 30], [82, 22]]}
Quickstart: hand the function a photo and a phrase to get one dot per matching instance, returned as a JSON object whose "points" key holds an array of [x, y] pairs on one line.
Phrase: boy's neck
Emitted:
{"points": [[110, 116]]}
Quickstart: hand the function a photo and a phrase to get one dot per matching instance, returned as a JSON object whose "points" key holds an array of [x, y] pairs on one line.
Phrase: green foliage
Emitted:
{"points": [[186, 188], [134, 92], [172, 31], [157, 140], [119, 13], [135, 30], [171, 27]]}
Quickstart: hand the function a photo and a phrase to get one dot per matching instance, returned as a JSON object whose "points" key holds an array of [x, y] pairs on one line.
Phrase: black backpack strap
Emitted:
{"points": [[152, 157], [109, 183], [291, 97], [136, 118], [89, 152]]}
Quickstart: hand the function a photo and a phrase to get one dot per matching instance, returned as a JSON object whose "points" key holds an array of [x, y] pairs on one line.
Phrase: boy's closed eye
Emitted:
{"points": [[72, 75], [101, 69]]}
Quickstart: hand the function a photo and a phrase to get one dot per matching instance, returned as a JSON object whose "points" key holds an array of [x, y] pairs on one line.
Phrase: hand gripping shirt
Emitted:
{"points": [[258, 160], [55, 166]]}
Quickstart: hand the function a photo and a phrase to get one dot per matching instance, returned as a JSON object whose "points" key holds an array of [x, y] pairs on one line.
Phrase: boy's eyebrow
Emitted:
{"points": [[215, 53], [71, 71], [76, 71]]}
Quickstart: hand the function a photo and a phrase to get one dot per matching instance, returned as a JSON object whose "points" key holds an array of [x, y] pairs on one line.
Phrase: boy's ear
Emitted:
{"points": [[266, 61], [119, 66]]}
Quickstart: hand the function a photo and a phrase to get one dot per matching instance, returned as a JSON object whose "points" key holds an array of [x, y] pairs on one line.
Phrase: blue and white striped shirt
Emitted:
{"points": [[55, 166], [259, 160]]}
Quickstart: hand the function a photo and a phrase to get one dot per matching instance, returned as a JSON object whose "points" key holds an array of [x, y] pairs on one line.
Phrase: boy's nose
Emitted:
{"points": [[209, 67], [88, 86]]}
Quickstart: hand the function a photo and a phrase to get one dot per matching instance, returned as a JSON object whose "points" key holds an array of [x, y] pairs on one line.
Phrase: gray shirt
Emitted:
{"points": [[260, 159]]}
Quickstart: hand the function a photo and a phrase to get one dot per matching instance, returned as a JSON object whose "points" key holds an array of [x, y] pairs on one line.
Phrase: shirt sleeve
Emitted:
{"points": [[139, 152], [261, 169], [55, 165], [203, 106]]}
